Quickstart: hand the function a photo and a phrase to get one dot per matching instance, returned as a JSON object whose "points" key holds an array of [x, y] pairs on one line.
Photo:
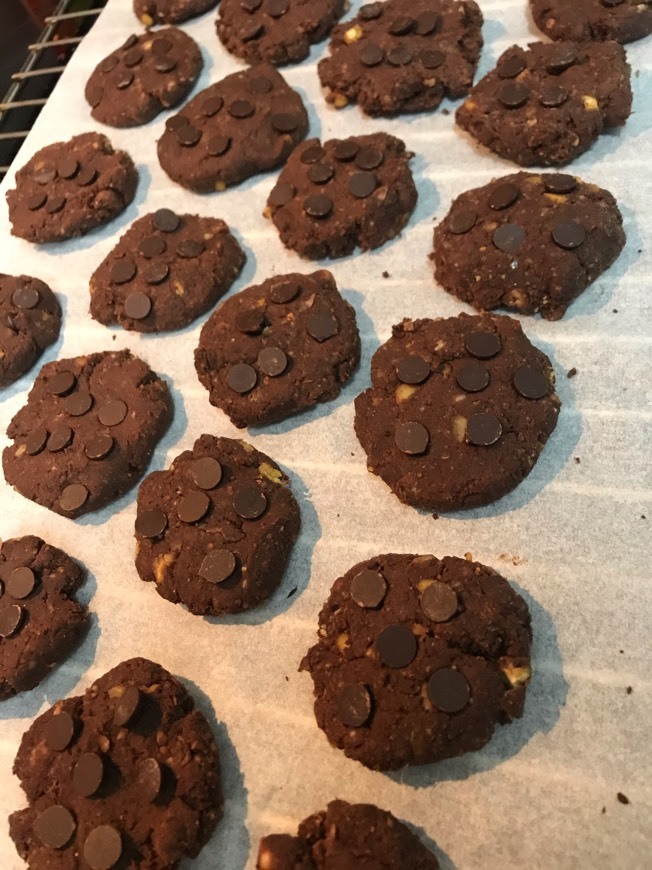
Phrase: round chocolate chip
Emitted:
{"points": [[99, 447], [26, 297], [11, 617], [166, 220], [345, 150], [36, 200], [218, 145], [103, 848], [252, 31], [68, 167], [188, 135], [509, 238], [312, 154], [242, 378], [128, 706], [277, 8], [411, 438], [129, 42], [133, 57], [175, 122], [483, 430], [55, 204], [272, 361], [401, 26], [149, 779], [561, 58], [251, 5], [513, 95], [212, 106], [108, 64], [284, 122], [60, 438], [371, 54], [123, 271], [73, 497], [94, 94], [112, 412], [370, 11], [473, 377], [427, 23], [250, 502], [189, 249], [503, 196], [62, 383], [322, 325], [138, 305], [36, 441], [439, 601], [281, 194], [553, 96], [151, 524], [461, 222], [21, 582], [11, 324], [59, 731], [559, 183], [362, 184], [193, 507], [568, 234], [483, 345], [284, 292], [260, 85], [217, 566], [241, 109], [354, 705], [165, 64], [86, 176], [368, 588], [55, 826], [413, 369], [45, 175], [531, 383], [449, 690], [318, 205], [250, 322], [161, 45], [87, 774], [320, 173], [125, 79], [432, 58], [511, 67], [78, 404], [156, 272], [152, 246], [610, 4], [396, 646], [399, 56], [368, 158], [206, 472]]}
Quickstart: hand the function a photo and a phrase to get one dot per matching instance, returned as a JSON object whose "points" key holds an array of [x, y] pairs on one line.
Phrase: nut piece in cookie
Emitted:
{"points": [[547, 104], [69, 188], [165, 271], [622, 20], [125, 775], [391, 59], [339, 836], [245, 124], [418, 659], [30, 321], [345, 193], [151, 12], [528, 242], [40, 621], [215, 531], [277, 348], [458, 411], [146, 75], [87, 432]]}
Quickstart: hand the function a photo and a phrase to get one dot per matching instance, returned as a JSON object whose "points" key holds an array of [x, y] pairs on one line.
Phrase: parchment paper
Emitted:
{"points": [[573, 538]]}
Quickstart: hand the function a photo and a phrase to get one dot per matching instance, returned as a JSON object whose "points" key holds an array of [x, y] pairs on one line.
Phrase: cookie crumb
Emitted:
{"points": [[621, 651], [615, 311], [571, 372], [468, 557], [577, 460], [435, 516], [643, 517], [604, 810], [385, 274], [629, 690], [622, 798], [445, 111]]}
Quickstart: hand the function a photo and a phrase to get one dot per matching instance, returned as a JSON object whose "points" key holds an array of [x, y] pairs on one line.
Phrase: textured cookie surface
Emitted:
{"points": [[40, 621], [30, 321], [547, 104], [458, 412], [216, 529], [345, 193], [528, 242], [275, 31], [170, 11], [391, 58], [87, 432], [622, 20], [278, 347], [418, 659], [346, 836], [146, 75], [165, 271], [245, 124], [124, 776], [69, 188]]}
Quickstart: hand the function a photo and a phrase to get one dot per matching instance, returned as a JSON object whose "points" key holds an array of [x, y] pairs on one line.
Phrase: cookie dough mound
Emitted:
{"points": [[170, 11], [622, 20], [30, 321]]}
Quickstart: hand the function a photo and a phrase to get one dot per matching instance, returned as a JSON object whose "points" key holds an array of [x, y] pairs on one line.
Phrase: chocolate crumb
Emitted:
{"points": [[622, 798], [604, 810], [577, 460], [435, 516], [571, 372], [615, 311], [385, 274], [629, 690]]}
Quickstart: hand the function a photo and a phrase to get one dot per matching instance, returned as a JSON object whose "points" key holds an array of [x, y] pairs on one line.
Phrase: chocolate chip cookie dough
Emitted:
{"points": [[30, 321], [622, 20]]}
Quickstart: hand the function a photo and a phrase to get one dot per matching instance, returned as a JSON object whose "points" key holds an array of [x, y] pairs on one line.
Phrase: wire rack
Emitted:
{"points": [[33, 83]]}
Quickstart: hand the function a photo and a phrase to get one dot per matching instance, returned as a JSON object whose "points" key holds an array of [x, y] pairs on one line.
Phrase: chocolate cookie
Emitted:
{"points": [[165, 271], [529, 242], [418, 659], [69, 188], [549, 103], [245, 124], [275, 31], [622, 20], [126, 775], [151, 12], [347, 836], [215, 531], [87, 432], [148, 74], [40, 621], [388, 61], [347, 192], [458, 412], [30, 321], [277, 348]]}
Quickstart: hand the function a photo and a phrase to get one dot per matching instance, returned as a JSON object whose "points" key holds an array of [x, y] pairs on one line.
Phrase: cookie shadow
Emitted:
{"points": [[231, 838], [546, 696], [445, 861], [493, 31], [314, 121]]}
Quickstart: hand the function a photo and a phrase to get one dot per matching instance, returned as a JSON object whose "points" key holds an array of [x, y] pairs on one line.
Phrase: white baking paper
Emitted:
{"points": [[573, 538]]}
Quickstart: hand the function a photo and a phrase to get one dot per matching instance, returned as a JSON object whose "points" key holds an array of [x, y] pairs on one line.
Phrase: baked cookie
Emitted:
{"points": [[278, 348], [30, 321], [528, 242], [151, 12], [549, 103], [245, 124], [347, 836], [458, 412], [347, 192], [87, 432], [215, 531], [165, 271], [126, 775], [148, 74], [275, 31], [40, 621], [389, 62], [622, 20], [418, 659], [70, 188]]}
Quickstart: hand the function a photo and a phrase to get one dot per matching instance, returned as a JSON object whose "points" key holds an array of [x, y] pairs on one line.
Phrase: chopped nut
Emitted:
{"points": [[403, 392], [220, 186], [161, 563], [353, 34], [459, 428], [343, 642], [150, 690], [266, 860], [517, 676], [20, 449], [469, 104], [468, 557], [179, 289], [555, 197], [430, 82], [516, 299], [441, 344], [247, 446], [116, 692], [274, 475], [427, 704], [146, 19], [419, 630], [590, 103], [423, 584], [339, 101], [104, 743]]}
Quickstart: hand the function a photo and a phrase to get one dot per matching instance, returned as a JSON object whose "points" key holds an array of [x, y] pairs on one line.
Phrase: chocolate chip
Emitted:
{"points": [[176, 121], [251, 5], [322, 325], [513, 95], [112, 412], [461, 222], [559, 183], [503, 196], [411, 438], [284, 122], [45, 175], [368, 158], [399, 56], [370, 11], [483, 430], [55, 204], [60, 438], [509, 238], [103, 848], [36, 201], [413, 369], [320, 173], [129, 42], [108, 64], [125, 80], [206, 472], [138, 305], [188, 135], [346, 150], [473, 377], [161, 45], [123, 271], [133, 58], [553, 96], [78, 403], [11, 617], [193, 507], [94, 94], [531, 383], [128, 706], [562, 58], [396, 646], [11, 324], [318, 205], [439, 601], [87, 774], [568, 234], [371, 54], [218, 145], [427, 23], [368, 588], [73, 497], [55, 826], [99, 447], [284, 292], [86, 176], [189, 249], [250, 502], [151, 524], [362, 184], [165, 64], [149, 779], [241, 109], [156, 272], [313, 154], [62, 383], [401, 26], [483, 345], [217, 566], [59, 731], [252, 31], [449, 690], [432, 58], [610, 4], [166, 220], [152, 246], [277, 8], [21, 582], [212, 106], [354, 705], [26, 297], [35, 441], [250, 322], [281, 194], [272, 361], [68, 167], [260, 85], [511, 67], [242, 378]]}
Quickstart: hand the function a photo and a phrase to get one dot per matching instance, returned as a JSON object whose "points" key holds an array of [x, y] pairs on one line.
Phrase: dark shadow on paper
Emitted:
{"points": [[445, 862]]}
